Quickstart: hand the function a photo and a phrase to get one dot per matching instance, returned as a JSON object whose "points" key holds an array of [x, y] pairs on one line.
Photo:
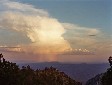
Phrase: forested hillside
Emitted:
{"points": [[11, 74]]}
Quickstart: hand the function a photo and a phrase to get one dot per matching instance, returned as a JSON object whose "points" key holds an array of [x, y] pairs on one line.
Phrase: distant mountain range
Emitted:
{"points": [[80, 72]]}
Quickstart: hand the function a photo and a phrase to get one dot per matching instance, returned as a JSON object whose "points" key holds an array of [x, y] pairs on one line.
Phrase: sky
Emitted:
{"points": [[74, 31]]}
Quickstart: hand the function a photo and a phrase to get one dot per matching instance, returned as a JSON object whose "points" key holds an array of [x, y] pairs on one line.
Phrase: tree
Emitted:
{"points": [[107, 78], [11, 74], [1, 56], [110, 61]]}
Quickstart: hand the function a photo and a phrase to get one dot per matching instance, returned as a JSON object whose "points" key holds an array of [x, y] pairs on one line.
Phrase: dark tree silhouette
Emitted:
{"points": [[1, 56], [110, 61], [11, 74], [107, 77]]}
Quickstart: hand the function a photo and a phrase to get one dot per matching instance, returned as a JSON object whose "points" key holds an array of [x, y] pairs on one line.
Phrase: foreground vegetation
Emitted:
{"points": [[107, 78], [103, 78], [11, 74]]}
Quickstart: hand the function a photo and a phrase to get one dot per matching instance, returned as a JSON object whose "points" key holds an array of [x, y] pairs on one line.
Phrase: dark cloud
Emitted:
{"points": [[92, 35]]}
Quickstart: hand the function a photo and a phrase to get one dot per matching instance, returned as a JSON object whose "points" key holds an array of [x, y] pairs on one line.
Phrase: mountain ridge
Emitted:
{"points": [[80, 72]]}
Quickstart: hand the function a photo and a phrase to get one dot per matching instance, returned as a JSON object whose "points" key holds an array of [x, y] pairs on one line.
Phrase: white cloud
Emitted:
{"points": [[7, 5], [92, 39], [44, 32], [80, 36], [81, 30]]}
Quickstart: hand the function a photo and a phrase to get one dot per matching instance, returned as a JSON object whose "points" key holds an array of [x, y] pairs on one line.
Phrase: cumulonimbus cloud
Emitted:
{"points": [[44, 32]]}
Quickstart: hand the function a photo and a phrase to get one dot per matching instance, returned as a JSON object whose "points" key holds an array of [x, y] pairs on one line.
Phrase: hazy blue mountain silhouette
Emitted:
{"points": [[80, 72]]}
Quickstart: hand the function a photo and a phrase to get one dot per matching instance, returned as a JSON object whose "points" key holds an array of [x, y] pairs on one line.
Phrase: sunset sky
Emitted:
{"points": [[74, 31]]}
